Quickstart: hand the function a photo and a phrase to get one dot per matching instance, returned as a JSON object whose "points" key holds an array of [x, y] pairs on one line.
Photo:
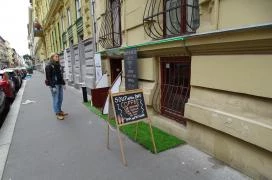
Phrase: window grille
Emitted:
{"points": [[110, 30], [168, 18]]}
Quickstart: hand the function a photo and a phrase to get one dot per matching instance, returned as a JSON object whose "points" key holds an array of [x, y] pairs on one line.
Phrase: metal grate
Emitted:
{"points": [[168, 18], [173, 91], [110, 30], [79, 25]]}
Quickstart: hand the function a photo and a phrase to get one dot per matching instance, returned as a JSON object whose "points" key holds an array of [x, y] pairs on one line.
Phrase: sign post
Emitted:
{"points": [[131, 69], [129, 108]]}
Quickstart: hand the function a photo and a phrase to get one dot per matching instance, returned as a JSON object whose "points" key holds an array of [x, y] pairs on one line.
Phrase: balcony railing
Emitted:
{"points": [[168, 18], [38, 33], [70, 32], [64, 37], [37, 29], [79, 25], [110, 30]]}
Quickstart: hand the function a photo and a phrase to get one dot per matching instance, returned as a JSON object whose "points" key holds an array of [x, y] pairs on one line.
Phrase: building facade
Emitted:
{"points": [[4, 61], [204, 65], [64, 27], [205, 68]]}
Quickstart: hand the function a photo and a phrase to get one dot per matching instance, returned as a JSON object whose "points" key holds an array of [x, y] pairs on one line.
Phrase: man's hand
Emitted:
{"points": [[54, 90], [64, 87]]}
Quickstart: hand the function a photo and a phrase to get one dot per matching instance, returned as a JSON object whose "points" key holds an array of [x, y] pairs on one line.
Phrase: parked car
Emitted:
{"points": [[24, 71], [3, 104], [14, 77], [30, 70], [19, 73], [7, 86]]}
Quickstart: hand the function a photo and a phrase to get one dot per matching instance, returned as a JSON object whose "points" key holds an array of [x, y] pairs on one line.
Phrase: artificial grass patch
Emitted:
{"points": [[163, 140]]}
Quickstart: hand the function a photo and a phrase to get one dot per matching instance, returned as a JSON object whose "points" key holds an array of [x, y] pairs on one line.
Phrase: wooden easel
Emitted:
{"points": [[118, 125]]}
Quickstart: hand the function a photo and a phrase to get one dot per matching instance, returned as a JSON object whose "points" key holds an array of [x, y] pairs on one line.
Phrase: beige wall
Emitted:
{"points": [[233, 13], [249, 74], [224, 14], [147, 69], [133, 13], [243, 116], [250, 159]]}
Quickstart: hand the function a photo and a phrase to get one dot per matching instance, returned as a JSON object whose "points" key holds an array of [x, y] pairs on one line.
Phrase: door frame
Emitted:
{"points": [[112, 61]]}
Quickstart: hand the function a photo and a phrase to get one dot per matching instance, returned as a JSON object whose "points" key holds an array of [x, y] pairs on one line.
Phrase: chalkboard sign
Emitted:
{"points": [[129, 106], [131, 74]]}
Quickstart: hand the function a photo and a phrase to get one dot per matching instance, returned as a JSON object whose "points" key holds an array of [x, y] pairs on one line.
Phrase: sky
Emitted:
{"points": [[13, 23]]}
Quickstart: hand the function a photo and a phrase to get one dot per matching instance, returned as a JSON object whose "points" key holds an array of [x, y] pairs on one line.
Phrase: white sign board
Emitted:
{"points": [[114, 89], [103, 82], [98, 67]]}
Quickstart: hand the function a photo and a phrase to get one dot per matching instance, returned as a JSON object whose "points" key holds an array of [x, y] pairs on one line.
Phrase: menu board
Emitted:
{"points": [[129, 106], [131, 73]]}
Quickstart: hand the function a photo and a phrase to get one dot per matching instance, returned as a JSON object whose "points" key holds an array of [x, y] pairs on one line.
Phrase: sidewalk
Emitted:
{"points": [[44, 148]]}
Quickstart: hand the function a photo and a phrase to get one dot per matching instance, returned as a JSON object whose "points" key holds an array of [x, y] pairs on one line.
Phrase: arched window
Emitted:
{"points": [[168, 18]]}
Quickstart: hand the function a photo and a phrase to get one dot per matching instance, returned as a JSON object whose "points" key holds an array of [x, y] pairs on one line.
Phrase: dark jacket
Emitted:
{"points": [[54, 74]]}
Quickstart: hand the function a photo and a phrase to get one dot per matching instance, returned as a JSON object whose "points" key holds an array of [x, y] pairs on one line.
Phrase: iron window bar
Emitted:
{"points": [[169, 18], [110, 30]]}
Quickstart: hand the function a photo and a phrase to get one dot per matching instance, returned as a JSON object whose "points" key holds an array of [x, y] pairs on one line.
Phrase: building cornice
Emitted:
{"points": [[245, 40]]}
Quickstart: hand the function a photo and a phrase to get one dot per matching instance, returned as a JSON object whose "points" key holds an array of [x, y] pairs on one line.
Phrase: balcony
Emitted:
{"points": [[70, 32], [79, 25], [37, 29], [170, 18], [38, 33], [64, 37]]}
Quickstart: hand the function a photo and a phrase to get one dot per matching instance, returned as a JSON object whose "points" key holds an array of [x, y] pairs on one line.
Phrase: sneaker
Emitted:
{"points": [[60, 116], [63, 113]]}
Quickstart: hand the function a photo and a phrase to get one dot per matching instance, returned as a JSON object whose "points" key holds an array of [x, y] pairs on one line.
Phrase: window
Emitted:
{"points": [[168, 18], [59, 34], [62, 24], [69, 17], [47, 5], [56, 39], [172, 17], [52, 42], [78, 8], [110, 30], [175, 86]]}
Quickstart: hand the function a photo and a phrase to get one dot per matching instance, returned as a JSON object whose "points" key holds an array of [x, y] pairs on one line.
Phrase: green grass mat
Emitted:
{"points": [[163, 140]]}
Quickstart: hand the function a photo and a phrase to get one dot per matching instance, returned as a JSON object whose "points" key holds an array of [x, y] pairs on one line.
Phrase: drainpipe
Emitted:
{"points": [[125, 22], [216, 5], [94, 35], [93, 24]]}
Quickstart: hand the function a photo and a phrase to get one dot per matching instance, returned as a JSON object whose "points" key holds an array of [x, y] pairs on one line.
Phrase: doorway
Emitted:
{"points": [[116, 68], [175, 86]]}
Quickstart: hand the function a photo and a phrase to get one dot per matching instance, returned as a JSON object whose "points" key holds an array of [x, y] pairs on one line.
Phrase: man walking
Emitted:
{"points": [[54, 79]]}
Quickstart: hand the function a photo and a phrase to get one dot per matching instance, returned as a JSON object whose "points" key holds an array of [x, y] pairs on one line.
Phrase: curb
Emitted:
{"points": [[7, 130]]}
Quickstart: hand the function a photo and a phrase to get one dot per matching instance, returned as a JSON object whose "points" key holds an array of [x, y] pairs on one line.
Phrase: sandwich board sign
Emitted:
{"points": [[129, 107]]}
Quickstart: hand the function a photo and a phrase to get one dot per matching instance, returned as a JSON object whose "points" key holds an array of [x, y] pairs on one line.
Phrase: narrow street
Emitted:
{"points": [[46, 148], [197, 71]]}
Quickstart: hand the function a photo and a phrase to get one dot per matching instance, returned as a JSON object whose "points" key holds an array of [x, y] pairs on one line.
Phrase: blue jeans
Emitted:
{"points": [[57, 98]]}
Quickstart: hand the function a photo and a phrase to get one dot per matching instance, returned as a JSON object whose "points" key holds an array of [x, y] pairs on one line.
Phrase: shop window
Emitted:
{"points": [[168, 18], [110, 30]]}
